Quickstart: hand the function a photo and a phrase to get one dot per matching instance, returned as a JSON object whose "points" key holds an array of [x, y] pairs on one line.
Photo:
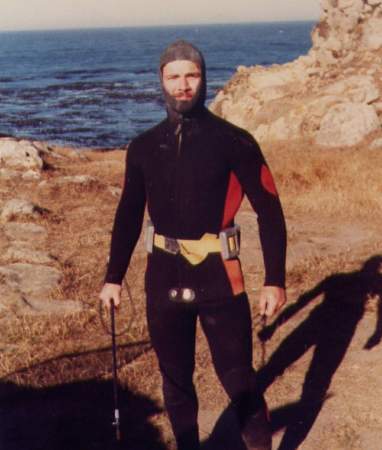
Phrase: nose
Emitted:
{"points": [[183, 83]]}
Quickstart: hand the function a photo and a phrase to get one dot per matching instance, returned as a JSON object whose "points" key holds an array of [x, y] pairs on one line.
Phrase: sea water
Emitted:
{"points": [[99, 87]]}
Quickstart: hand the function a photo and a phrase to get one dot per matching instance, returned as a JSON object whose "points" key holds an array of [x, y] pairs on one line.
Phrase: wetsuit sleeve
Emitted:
{"points": [[251, 169], [128, 220]]}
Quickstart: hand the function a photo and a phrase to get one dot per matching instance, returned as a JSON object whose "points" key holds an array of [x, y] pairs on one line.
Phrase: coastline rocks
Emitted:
{"points": [[331, 96], [19, 252], [21, 154], [357, 89], [31, 280], [372, 36], [29, 175], [46, 306], [115, 191], [10, 299], [14, 299], [347, 124], [345, 27], [79, 180], [25, 232], [27, 277], [376, 144], [76, 179], [17, 208], [8, 174]]}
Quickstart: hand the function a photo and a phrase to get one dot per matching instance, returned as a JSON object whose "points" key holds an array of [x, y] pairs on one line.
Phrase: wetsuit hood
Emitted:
{"points": [[183, 50]]}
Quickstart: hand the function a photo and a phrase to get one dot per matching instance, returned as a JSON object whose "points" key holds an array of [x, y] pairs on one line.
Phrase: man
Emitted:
{"points": [[192, 170]]}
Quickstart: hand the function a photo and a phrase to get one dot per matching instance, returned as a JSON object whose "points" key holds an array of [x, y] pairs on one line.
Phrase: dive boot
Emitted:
{"points": [[257, 433]]}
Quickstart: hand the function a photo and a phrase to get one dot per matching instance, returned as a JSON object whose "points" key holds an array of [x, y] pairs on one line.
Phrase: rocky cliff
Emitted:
{"points": [[332, 96]]}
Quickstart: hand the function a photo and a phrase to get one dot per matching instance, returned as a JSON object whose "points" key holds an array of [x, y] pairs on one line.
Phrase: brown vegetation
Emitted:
{"points": [[333, 205]]}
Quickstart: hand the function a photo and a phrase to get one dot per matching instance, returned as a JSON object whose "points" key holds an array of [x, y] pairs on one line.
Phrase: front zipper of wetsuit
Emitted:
{"points": [[179, 137]]}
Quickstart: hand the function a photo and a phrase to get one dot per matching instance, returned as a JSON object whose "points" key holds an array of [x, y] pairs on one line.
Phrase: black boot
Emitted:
{"points": [[256, 432], [188, 440]]}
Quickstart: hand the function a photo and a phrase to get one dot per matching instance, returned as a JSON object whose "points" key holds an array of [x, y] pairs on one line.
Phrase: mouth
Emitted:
{"points": [[184, 97]]}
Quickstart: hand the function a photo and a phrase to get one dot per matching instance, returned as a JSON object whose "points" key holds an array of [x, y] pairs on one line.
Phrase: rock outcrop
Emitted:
{"points": [[17, 207], [332, 95], [29, 274], [19, 153]]}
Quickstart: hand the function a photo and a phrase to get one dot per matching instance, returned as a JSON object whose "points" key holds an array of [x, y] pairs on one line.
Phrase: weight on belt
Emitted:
{"points": [[181, 295]]}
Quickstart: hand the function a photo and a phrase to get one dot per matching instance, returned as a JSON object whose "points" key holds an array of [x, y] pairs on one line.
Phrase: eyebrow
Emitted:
{"points": [[192, 73]]}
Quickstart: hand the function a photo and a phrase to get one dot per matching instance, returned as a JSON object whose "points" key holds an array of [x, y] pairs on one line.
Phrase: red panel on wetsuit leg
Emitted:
{"points": [[232, 201], [267, 180], [235, 275]]}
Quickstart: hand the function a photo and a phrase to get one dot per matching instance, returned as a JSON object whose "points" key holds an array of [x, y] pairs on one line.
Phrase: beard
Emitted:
{"points": [[181, 106]]}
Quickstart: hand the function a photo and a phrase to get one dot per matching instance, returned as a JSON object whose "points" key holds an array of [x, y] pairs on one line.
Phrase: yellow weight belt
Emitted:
{"points": [[195, 251]]}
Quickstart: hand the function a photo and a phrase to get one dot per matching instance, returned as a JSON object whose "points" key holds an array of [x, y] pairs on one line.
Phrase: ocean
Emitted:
{"points": [[99, 88]]}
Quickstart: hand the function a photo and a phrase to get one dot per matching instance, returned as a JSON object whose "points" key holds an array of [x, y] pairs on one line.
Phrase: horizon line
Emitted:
{"points": [[172, 25]]}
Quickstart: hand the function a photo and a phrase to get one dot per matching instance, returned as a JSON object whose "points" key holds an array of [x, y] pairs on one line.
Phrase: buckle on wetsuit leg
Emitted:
{"points": [[149, 236], [171, 245], [230, 242]]}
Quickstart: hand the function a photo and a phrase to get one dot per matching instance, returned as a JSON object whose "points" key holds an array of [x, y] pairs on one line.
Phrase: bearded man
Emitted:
{"points": [[192, 170]]}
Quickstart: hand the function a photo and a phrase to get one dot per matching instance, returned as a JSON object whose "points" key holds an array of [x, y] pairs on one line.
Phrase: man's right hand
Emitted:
{"points": [[110, 291]]}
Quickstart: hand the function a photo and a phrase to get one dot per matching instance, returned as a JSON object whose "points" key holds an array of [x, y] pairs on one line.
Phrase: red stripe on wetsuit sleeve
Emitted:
{"points": [[267, 180]]}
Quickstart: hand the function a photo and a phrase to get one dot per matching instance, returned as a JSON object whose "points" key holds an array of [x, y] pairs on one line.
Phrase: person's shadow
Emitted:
{"points": [[77, 415], [329, 328]]}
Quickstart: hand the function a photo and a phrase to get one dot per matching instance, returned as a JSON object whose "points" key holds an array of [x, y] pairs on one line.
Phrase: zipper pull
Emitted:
{"points": [[178, 129], [178, 134]]}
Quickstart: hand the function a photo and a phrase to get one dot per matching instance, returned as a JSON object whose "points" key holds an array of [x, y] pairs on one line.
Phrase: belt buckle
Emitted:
{"points": [[230, 242], [171, 245]]}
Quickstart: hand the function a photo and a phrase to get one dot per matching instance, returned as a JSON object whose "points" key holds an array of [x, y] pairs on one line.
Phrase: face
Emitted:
{"points": [[181, 79]]}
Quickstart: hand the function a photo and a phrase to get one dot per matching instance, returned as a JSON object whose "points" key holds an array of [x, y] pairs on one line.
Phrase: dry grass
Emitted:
{"points": [[315, 185], [345, 182], [320, 187]]}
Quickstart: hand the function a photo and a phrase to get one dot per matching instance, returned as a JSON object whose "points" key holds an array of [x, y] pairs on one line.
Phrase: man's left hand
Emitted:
{"points": [[272, 299]]}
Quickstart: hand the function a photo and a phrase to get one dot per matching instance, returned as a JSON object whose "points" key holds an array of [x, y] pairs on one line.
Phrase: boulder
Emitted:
{"points": [[20, 252], [31, 175], [115, 191], [79, 180], [19, 208], [8, 174], [22, 154], [376, 144], [12, 300], [76, 179], [25, 232], [372, 34], [355, 89], [347, 124], [300, 99], [46, 306], [33, 281]]}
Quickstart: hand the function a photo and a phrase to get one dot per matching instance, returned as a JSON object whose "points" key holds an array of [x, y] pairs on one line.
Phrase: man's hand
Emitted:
{"points": [[110, 291], [272, 298]]}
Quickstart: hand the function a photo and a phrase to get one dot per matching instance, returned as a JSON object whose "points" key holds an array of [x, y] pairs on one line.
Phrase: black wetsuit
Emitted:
{"points": [[192, 172]]}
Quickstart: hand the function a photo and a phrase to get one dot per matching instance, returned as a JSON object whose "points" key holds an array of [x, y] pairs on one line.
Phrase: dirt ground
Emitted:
{"points": [[321, 363]]}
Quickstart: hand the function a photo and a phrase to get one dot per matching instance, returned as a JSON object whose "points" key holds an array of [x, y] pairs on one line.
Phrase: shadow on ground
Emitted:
{"points": [[329, 328], [76, 416]]}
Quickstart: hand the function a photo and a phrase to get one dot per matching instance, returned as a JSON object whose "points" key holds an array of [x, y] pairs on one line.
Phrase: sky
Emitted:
{"points": [[61, 14]]}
